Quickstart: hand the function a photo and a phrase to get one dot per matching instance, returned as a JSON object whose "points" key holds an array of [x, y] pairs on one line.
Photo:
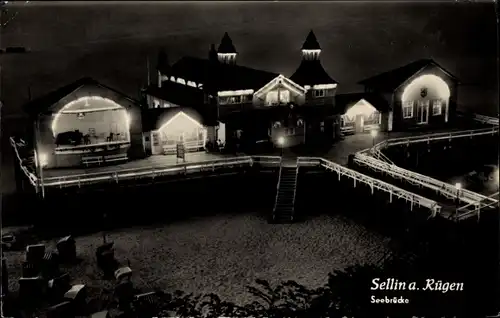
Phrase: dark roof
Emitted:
{"points": [[178, 94], [43, 103], [393, 79], [311, 73], [343, 101], [311, 43], [221, 76], [152, 118], [226, 45]]}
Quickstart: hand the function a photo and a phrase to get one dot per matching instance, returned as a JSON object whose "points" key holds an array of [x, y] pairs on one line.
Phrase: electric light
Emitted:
{"points": [[227, 54], [285, 82], [432, 82], [128, 120], [374, 133], [42, 159], [67, 109], [362, 107], [281, 141], [458, 185], [317, 51], [324, 86], [235, 93], [176, 123]]}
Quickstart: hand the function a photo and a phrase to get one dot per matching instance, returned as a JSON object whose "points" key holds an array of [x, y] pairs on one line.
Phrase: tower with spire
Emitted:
{"points": [[226, 52], [310, 73], [311, 48]]}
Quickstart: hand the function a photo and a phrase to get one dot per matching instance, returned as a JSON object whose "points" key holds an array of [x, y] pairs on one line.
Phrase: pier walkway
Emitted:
{"points": [[151, 169], [374, 159]]}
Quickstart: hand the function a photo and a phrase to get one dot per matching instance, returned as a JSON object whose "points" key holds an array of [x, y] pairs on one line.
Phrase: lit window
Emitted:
{"points": [[234, 99], [322, 126], [436, 107], [408, 109], [319, 93]]}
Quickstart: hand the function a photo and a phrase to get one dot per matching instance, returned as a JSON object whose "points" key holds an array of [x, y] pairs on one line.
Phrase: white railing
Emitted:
{"points": [[295, 185], [486, 119], [445, 189], [277, 189], [376, 160], [475, 208], [437, 136], [373, 183], [155, 172], [30, 175]]}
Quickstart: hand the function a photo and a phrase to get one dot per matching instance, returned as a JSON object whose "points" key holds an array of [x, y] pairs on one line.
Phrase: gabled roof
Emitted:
{"points": [[43, 103], [311, 42], [344, 101], [221, 76], [226, 45], [391, 80], [311, 73], [177, 94], [151, 117]]}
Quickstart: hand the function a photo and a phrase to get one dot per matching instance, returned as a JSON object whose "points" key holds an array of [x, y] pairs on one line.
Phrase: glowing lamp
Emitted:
{"points": [[41, 159], [374, 133], [128, 119], [281, 141], [458, 185]]}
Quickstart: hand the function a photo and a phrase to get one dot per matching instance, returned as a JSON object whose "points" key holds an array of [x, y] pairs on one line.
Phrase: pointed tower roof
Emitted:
{"points": [[311, 43], [226, 45]]}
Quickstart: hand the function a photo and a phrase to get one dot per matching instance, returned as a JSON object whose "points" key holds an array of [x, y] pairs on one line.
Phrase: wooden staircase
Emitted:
{"points": [[284, 206]]}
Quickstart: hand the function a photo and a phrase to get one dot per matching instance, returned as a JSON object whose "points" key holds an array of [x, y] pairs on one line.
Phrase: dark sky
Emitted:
{"points": [[110, 42]]}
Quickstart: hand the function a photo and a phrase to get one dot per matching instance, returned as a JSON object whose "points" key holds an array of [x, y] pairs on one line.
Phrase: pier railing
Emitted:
{"points": [[120, 175], [29, 174], [374, 158], [373, 183], [475, 208], [445, 189]]}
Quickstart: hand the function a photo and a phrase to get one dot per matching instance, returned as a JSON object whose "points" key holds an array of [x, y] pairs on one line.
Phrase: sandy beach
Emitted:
{"points": [[224, 254]]}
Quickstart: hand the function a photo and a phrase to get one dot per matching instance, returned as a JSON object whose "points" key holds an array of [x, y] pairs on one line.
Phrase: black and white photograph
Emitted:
{"points": [[299, 159]]}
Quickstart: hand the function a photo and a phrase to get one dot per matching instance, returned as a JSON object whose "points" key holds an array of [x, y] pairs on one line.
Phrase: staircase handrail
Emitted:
{"points": [[295, 186], [277, 187]]}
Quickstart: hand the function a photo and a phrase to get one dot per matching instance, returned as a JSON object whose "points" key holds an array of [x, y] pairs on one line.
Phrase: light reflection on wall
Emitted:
{"points": [[360, 108], [100, 118], [436, 89]]}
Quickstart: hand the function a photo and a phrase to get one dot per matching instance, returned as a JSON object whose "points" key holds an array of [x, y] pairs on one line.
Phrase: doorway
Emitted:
{"points": [[423, 112]]}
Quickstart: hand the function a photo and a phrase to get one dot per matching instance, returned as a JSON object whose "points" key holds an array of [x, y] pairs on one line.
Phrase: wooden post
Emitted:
{"points": [[5, 278]]}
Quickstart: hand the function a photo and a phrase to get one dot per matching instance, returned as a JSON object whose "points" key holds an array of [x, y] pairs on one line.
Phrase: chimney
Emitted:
{"points": [[212, 54]]}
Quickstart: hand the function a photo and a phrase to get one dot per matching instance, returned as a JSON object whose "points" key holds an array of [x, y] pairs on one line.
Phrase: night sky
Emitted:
{"points": [[111, 42]]}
